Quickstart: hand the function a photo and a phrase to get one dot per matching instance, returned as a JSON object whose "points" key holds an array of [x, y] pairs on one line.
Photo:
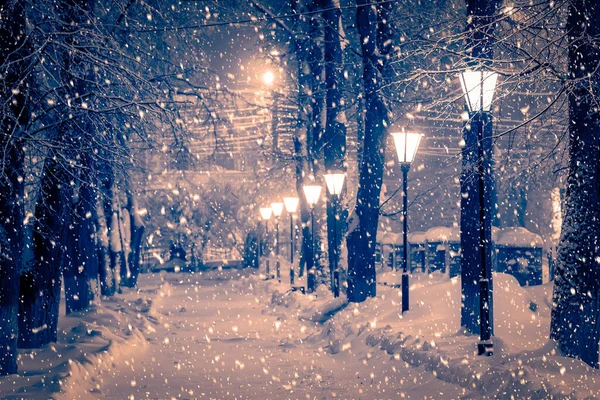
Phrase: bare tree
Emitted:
{"points": [[14, 115], [374, 28], [575, 325]]}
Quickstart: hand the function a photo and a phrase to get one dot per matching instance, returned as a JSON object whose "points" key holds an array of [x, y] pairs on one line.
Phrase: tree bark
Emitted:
{"points": [[306, 252], [137, 228], [81, 272], [309, 58], [373, 31], [108, 283], [574, 324], [13, 89], [40, 284], [335, 129]]}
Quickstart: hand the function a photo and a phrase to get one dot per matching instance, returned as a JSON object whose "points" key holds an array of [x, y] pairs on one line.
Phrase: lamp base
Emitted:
{"points": [[485, 348]]}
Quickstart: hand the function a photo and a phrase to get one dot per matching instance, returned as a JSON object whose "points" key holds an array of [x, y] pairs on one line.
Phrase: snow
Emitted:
{"points": [[518, 237], [416, 237], [230, 333], [389, 238], [437, 234], [454, 235]]}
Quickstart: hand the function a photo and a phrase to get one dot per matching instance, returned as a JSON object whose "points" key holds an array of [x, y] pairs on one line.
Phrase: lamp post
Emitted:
{"points": [[291, 204], [277, 210], [312, 193], [335, 184], [265, 213], [478, 88], [406, 144]]}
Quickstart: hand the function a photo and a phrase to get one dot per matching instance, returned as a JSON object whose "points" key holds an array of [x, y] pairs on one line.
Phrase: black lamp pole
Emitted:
{"points": [[485, 345], [336, 272], [291, 249], [405, 303], [267, 263], [311, 279], [277, 263]]}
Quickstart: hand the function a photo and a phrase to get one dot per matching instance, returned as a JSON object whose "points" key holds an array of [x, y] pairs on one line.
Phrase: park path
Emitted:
{"points": [[213, 339]]}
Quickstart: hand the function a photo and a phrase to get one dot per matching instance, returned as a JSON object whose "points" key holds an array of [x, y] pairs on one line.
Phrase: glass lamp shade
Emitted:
{"points": [[312, 193], [265, 213], [478, 87], [335, 182], [407, 144], [277, 209], [291, 204]]}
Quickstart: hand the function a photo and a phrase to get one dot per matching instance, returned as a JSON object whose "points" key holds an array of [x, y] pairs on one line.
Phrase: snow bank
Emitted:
{"points": [[429, 336], [90, 344]]}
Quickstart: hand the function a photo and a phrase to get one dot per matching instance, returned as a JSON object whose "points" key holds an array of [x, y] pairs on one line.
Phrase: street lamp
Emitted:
{"points": [[312, 193], [291, 204], [478, 88], [265, 213], [406, 146], [277, 210], [268, 78], [335, 184]]}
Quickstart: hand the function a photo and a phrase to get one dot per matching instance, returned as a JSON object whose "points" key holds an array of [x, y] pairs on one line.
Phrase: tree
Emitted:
{"points": [[374, 28], [334, 152], [576, 298], [14, 116]]}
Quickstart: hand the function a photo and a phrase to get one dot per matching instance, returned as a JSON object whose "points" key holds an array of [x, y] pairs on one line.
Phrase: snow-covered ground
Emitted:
{"points": [[231, 334]]}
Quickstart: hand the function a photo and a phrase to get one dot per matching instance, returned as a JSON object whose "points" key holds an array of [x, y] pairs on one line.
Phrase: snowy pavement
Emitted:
{"points": [[231, 334], [214, 340]]}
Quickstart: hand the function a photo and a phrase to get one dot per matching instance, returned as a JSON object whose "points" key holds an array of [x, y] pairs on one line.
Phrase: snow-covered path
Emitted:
{"points": [[212, 339]]}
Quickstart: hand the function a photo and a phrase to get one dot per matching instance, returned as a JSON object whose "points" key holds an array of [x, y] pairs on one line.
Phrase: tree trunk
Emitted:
{"points": [[136, 225], [108, 284], [81, 262], [574, 324], [114, 249], [335, 130], [306, 251], [13, 89], [373, 30], [40, 284]]}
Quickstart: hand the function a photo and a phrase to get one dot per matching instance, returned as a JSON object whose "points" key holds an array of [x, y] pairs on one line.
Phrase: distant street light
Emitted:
{"points": [[312, 193], [406, 148], [478, 88], [277, 210], [291, 204], [268, 78], [265, 213], [335, 184]]}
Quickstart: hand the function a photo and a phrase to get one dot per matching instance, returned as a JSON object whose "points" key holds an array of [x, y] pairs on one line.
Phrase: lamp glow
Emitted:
{"points": [[291, 204], [312, 193], [268, 78], [406, 144], [277, 209], [478, 87], [335, 182], [265, 213]]}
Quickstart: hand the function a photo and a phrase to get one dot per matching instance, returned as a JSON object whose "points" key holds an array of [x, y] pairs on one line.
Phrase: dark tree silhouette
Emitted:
{"points": [[575, 325]]}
